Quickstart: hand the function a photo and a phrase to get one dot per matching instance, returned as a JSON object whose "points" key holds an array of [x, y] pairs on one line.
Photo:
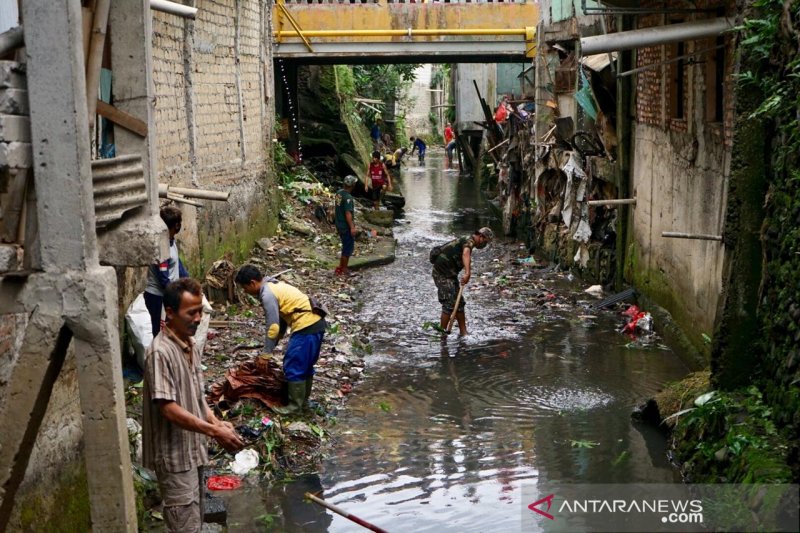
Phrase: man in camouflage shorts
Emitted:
{"points": [[451, 259]]}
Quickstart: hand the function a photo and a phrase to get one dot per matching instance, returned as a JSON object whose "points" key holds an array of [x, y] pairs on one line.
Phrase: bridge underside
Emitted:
{"points": [[405, 33], [393, 52]]}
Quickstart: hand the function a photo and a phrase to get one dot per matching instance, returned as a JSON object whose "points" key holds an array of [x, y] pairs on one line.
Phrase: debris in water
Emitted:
{"points": [[244, 462], [223, 483]]}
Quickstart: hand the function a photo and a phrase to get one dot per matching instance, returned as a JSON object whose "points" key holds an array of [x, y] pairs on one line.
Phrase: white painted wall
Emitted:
{"points": [[468, 108], [417, 121]]}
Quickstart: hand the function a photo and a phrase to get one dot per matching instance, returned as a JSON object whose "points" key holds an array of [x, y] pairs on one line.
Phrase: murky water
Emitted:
{"points": [[443, 437]]}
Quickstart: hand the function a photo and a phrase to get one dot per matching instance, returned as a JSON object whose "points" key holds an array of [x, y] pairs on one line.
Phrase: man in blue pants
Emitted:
{"points": [[286, 306]]}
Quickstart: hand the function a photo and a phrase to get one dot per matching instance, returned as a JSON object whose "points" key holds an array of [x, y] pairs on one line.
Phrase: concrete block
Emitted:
{"points": [[9, 258], [14, 128], [15, 155], [14, 102], [12, 75]]}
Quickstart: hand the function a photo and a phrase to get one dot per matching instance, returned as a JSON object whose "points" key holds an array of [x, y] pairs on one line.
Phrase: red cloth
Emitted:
{"points": [[501, 114], [448, 135], [223, 483]]}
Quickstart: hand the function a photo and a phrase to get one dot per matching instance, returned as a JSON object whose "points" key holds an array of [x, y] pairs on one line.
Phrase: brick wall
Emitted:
{"points": [[212, 119], [678, 175]]}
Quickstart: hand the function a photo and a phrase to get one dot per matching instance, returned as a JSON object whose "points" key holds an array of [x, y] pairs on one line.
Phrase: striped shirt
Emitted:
{"points": [[172, 372]]}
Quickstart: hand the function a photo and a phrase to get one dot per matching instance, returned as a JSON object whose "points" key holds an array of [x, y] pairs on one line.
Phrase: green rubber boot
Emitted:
{"points": [[297, 392], [309, 384]]}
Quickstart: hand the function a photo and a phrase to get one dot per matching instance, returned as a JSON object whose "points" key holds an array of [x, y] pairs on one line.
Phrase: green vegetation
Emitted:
{"points": [[62, 506], [731, 437]]}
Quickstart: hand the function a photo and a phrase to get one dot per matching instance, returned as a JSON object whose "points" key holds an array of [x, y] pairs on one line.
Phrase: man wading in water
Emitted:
{"points": [[448, 260]]}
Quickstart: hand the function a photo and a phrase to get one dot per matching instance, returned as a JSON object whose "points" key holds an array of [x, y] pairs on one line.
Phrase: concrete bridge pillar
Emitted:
{"points": [[69, 297]]}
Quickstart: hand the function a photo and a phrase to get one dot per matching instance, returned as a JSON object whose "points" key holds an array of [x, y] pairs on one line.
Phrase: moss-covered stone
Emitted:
{"points": [[62, 506]]}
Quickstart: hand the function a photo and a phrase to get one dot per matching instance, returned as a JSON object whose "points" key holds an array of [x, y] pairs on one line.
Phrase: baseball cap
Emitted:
{"points": [[350, 180], [486, 232]]}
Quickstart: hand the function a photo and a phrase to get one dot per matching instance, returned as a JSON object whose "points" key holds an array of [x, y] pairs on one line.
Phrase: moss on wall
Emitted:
{"points": [[234, 238], [61, 506]]}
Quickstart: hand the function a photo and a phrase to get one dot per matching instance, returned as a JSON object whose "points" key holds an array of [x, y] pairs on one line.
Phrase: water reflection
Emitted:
{"points": [[530, 395]]}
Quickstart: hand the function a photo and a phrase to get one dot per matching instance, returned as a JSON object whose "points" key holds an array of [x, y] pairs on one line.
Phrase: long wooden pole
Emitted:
{"points": [[342, 512], [455, 310], [95, 60]]}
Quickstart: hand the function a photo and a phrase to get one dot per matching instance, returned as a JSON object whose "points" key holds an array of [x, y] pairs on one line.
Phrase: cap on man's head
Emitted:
{"points": [[350, 180], [486, 232]]}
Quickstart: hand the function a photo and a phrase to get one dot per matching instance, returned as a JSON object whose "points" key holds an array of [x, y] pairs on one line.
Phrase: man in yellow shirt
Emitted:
{"points": [[286, 306]]}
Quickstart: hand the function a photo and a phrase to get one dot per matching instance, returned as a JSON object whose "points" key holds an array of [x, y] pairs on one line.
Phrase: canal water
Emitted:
{"points": [[447, 436]]}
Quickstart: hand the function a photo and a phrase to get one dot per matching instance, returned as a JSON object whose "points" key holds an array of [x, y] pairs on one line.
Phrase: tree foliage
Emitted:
{"points": [[383, 82]]}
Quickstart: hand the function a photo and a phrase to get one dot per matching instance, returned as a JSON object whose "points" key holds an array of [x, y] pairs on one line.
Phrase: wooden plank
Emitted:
{"points": [[121, 118]]}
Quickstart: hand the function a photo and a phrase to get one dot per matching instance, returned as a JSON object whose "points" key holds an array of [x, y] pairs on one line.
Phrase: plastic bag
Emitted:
{"points": [[244, 462], [223, 483]]}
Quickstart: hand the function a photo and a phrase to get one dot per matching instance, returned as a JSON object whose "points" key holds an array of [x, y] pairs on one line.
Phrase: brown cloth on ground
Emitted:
{"points": [[248, 381]]}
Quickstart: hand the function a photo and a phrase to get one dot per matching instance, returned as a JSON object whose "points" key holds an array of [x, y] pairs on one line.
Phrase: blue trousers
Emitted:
{"points": [[301, 355]]}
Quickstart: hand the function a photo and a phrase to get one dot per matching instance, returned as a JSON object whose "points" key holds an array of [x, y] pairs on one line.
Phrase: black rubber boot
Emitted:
{"points": [[297, 393], [309, 382]]}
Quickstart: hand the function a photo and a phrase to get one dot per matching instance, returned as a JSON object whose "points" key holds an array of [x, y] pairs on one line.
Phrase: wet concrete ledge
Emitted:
{"points": [[382, 253]]}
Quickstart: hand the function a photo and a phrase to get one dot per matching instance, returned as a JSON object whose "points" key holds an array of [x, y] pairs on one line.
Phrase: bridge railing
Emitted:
{"points": [[304, 2]]}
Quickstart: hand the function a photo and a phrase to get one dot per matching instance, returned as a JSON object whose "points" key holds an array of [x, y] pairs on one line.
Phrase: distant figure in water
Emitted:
{"points": [[448, 260]]}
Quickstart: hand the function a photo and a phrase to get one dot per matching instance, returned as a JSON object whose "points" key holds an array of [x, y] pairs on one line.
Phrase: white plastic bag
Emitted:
{"points": [[140, 329], [244, 462]]}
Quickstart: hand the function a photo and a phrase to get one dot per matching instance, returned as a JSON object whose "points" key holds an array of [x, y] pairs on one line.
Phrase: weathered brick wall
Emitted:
{"points": [[213, 117], [678, 176]]}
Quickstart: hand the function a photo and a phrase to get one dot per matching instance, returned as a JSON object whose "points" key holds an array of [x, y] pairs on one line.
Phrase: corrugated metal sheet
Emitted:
{"points": [[119, 186]]}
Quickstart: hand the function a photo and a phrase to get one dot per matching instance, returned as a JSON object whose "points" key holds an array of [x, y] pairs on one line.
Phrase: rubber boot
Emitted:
{"points": [[297, 392], [309, 383]]}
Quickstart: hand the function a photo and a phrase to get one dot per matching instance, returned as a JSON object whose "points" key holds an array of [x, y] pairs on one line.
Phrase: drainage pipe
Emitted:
{"points": [[174, 8], [626, 40]]}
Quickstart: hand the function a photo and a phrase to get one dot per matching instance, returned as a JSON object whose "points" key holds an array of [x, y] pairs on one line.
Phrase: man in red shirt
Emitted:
{"points": [[449, 142]]}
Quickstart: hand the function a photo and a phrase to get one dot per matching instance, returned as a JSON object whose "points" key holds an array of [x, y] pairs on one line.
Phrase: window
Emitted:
{"points": [[715, 80], [677, 81]]}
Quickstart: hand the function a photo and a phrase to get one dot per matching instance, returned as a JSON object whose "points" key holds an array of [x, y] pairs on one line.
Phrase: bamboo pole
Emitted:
{"points": [[203, 194], [16, 201], [94, 61], [696, 236], [181, 200], [620, 201], [455, 310], [495, 147], [342, 512]]}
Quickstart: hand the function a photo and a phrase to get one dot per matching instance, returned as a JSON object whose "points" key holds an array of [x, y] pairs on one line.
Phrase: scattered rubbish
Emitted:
{"points": [[527, 261], [611, 300], [244, 462], [246, 381], [248, 433], [267, 421], [703, 399], [583, 443], [223, 483], [595, 290], [637, 321], [218, 282]]}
